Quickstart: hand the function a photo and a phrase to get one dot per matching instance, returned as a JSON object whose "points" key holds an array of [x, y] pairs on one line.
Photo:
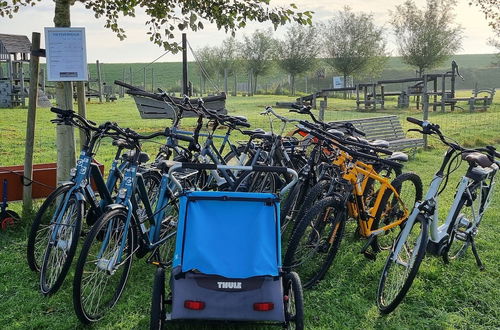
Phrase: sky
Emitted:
{"points": [[104, 46]]}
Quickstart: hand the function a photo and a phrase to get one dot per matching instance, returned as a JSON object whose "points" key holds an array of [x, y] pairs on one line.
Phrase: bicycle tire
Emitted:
{"points": [[294, 302], [388, 302], [157, 315], [92, 245], [313, 195], [36, 247], [59, 253], [390, 209], [317, 234]]}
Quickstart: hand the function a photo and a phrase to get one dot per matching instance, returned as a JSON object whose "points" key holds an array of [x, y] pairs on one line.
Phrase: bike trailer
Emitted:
{"points": [[227, 258]]}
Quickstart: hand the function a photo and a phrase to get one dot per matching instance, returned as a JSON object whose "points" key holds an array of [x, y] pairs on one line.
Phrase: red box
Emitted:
{"points": [[42, 173]]}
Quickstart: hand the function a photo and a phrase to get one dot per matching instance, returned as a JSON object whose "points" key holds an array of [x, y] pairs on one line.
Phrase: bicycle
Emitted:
{"points": [[55, 231], [422, 231], [105, 260], [317, 236]]}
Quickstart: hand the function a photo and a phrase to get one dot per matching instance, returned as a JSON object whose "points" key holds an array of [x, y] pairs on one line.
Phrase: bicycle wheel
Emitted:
{"points": [[400, 269], [238, 158], [465, 222], [157, 318], [99, 277], [315, 241], [291, 207], [294, 301], [63, 239], [39, 235], [152, 180], [301, 205], [256, 182], [409, 188]]}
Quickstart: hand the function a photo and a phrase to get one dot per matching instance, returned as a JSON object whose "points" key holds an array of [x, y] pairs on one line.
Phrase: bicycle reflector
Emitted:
{"points": [[194, 305], [263, 306]]}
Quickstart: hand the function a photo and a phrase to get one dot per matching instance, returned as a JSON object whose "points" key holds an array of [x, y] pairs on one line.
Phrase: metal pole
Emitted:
{"points": [[184, 65]]}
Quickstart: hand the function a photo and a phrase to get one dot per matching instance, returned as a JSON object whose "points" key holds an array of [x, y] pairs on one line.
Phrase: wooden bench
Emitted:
{"points": [[385, 128]]}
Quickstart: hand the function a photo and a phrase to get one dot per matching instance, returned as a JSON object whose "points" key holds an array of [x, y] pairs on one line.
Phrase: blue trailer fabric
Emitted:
{"points": [[230, 238]]}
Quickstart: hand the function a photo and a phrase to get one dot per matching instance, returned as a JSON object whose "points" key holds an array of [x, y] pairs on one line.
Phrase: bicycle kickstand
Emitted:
{"points": [[476, 255]]}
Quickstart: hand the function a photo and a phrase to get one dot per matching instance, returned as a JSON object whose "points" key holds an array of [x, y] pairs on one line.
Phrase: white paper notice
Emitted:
{"points": [[66, 54]]}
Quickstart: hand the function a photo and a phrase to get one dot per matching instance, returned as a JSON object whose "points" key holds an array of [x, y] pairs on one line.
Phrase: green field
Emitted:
{"points": [[455, 296], [477, 68]]}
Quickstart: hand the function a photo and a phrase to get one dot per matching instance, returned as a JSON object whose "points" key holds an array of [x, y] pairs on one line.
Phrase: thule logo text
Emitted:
{"points": [[229, 285]]}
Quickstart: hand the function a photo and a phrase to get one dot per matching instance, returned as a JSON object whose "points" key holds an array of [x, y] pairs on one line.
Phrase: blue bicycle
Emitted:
{"points": [[55, 231]]}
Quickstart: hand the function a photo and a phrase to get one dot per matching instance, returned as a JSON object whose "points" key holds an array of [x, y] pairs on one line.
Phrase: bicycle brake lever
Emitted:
{"points": [[416, 130]]}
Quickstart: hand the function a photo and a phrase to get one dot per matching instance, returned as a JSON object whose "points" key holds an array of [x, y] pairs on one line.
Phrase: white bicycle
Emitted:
{"points": [[422, 231]]}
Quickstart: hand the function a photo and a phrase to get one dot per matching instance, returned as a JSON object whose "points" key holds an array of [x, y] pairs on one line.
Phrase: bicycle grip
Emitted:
{"points": [[242, 123], [415, 121], [61, 111]]}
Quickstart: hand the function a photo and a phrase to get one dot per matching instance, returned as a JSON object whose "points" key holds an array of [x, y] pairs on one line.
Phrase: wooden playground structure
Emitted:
{"points": [[436, 90]]}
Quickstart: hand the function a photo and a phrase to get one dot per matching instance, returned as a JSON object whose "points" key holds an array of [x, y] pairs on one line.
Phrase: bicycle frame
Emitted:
{"points": [[81, 187], [430, 207], [352, 172]]}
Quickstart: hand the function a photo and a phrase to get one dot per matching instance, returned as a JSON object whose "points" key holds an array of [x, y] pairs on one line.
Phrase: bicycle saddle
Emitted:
{"points": [[336, 132], [477, 158], [398, 156], [265, 135], [254, 131], [129, 156], [121, 143]]}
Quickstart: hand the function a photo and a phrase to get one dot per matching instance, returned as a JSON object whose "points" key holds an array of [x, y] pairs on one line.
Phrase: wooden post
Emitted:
{"points": [[425, 106], [131, 76], [322, 107], [434, 104], [22, 95], [30, 125], [306, 84], [99, 79], [365, 95], [443, 93], [374, 88], [82, 107], [382, 96]]}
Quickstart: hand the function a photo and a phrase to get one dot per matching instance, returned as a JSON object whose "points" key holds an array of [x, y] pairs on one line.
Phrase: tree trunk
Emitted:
{"points": [[293, 84], [65, 139], [254, 83]]}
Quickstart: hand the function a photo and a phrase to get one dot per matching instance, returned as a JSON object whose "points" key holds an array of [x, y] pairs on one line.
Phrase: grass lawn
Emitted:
{"points": [[442, 297]]}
